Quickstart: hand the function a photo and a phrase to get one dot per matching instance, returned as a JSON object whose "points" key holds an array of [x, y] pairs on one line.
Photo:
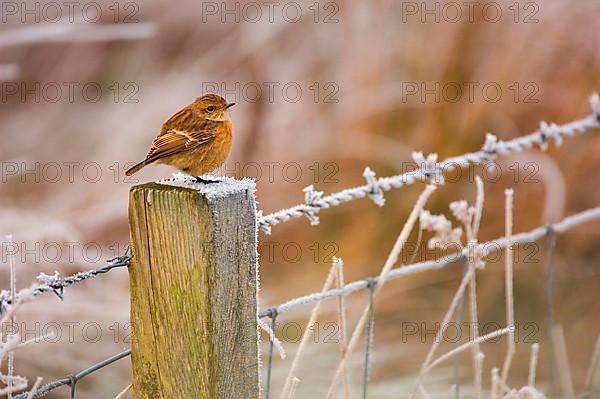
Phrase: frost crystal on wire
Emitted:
{"points": [[311, 200], [375, 192], [551, 131], [46, 279], [428, 167], [50, 280], [489, 147]]}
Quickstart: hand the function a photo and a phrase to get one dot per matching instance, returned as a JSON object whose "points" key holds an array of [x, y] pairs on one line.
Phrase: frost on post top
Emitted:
{"points": [[225, 186]]}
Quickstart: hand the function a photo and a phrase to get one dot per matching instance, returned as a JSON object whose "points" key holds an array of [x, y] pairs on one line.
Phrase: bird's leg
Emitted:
{"points": [[205, 181]]}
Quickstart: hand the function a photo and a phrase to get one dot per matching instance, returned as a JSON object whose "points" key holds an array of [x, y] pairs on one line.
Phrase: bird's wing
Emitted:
{"points": [[172, 140], [183, 120]]}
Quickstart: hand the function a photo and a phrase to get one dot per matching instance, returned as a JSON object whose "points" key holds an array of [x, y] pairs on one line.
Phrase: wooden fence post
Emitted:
{"points": [[193, 284]]}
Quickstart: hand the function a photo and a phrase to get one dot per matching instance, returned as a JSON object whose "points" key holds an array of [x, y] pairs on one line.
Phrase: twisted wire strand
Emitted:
{"points": [[72, 379], [429, 170], [484, 249], [57, 285]]}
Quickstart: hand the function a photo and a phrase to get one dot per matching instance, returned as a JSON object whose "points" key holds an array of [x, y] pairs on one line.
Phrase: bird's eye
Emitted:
{"points": [[210, 108]]}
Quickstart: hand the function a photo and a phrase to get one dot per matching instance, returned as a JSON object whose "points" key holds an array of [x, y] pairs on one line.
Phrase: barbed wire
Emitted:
{"points": [[484, 249], [430, 170], [314, 201], [73, 379], [57, 285]]}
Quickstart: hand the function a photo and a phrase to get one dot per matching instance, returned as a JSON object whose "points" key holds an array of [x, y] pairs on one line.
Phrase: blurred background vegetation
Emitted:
{"points": [[320, 94]]}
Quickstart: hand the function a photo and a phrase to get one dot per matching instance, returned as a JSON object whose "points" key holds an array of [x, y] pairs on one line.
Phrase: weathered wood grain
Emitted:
{"points": [[193, 292]]}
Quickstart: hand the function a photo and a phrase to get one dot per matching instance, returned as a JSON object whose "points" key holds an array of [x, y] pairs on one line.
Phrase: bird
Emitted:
{"points": [[196, 140]]}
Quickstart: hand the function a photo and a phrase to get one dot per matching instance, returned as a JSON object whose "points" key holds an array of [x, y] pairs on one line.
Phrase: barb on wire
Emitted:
{"points": [[484, 249], [56, 284], [430, 170], [375, 192]]}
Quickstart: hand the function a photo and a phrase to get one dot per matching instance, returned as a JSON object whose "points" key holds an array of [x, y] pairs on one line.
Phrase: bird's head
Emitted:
{"points": [[213, 107]]}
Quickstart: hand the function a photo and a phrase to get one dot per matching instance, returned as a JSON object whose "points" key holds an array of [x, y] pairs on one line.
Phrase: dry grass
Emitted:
{"points": [[369, 54]]}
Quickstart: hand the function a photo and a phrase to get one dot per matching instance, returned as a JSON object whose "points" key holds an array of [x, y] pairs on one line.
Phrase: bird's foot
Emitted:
{"points": [[205, 181]]}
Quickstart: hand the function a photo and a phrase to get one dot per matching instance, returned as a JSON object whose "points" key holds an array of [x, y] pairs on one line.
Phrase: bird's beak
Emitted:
{"points": [[229, 105]]}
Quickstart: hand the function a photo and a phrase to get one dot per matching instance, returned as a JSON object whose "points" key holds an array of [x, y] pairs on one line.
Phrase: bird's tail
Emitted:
{"points": [[135, 168]]}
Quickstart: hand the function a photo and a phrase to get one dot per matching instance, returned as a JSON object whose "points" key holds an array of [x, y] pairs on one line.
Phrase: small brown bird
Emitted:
{"points": [[196, 140]]}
